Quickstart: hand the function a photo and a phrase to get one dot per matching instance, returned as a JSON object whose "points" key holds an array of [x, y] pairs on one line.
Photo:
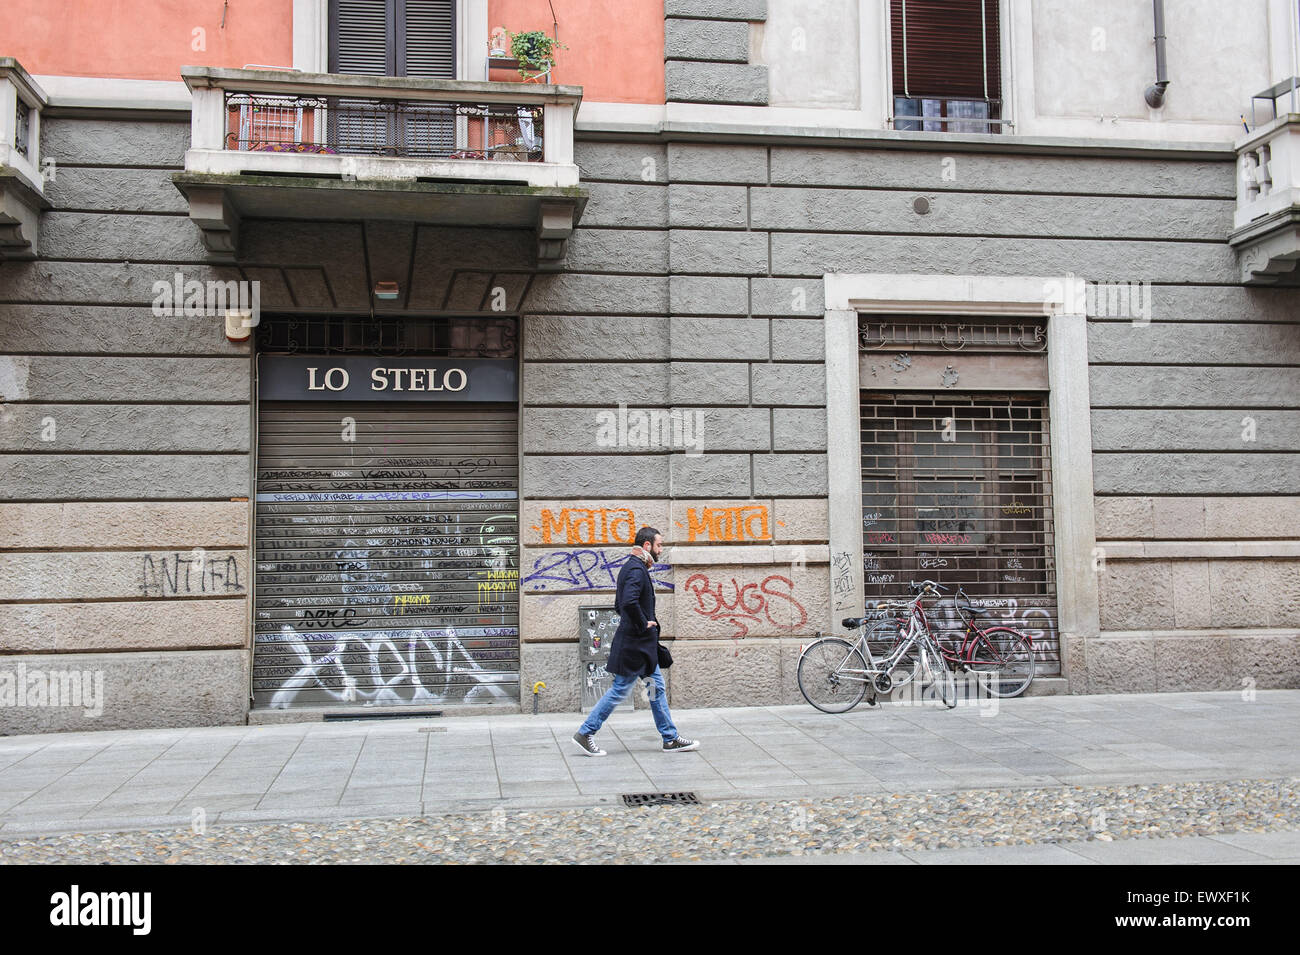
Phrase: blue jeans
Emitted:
{"points": [[617, 693]]}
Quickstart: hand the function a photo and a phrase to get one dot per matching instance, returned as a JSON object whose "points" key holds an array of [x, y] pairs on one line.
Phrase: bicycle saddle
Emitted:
{"points": [[852, 623]]}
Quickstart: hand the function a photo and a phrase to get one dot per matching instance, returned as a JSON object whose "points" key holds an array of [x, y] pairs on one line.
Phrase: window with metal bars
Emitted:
{"points": [[956, 488], [946, 65], [431, 336]]}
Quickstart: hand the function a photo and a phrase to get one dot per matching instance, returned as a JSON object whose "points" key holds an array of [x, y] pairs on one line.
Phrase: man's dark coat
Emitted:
{"points": [[635, 648]]}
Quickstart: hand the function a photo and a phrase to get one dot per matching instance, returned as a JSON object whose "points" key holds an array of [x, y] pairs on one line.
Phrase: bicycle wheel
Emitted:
{"points": [[1007, 656], [938, 674], [825, 677]]}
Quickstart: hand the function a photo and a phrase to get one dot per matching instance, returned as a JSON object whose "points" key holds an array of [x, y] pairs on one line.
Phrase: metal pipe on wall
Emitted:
{"points": [[1155, 93]]}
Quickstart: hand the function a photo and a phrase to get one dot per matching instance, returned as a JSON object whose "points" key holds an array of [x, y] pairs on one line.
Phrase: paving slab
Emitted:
{"points": [[1200, 851], [370, 768], [1271, 845], [1036, 854]]}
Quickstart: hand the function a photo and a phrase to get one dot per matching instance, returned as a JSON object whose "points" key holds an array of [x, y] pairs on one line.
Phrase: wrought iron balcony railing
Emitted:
{"points": [[334, 125], [249, 121]]}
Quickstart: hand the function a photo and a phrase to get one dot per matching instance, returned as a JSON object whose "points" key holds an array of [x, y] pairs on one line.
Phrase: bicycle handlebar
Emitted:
{"points": [[925, 586]]}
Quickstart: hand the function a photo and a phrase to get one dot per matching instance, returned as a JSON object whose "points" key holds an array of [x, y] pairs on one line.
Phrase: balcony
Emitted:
{"points": [[1266, 225], [287, 145], [22, 180]]}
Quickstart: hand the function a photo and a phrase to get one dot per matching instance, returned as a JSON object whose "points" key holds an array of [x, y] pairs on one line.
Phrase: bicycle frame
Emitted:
{"points": [[959, 651], [975, 633], [918, 630]]}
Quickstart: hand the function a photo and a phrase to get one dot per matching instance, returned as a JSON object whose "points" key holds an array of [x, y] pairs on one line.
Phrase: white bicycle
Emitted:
{"points": [[835, 674]]}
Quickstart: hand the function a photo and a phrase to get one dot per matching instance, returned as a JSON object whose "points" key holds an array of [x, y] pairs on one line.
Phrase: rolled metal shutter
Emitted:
{"points": [[387, 555], [957, 488]]}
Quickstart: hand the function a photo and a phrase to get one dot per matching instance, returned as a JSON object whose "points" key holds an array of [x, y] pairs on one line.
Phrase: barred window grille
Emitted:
{"points": [[434, 337], [957, 488]]}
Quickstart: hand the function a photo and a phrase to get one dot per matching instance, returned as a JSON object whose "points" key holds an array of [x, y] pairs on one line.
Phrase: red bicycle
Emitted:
{"points": [[1004, 653]]}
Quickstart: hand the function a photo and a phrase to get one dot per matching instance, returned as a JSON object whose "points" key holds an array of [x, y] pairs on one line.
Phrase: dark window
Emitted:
{"points": [[945, 65]]}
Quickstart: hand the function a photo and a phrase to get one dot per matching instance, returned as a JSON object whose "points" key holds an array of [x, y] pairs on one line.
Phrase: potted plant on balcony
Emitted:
{"points": [[535, 51]]}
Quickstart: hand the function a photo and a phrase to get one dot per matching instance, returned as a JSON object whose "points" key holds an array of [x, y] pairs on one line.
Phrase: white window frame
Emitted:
{"points": [[850, 295]]}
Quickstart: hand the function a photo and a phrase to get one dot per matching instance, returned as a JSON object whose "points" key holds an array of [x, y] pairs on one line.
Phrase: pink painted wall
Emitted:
{"points": [[614, 47], [144, 39]]}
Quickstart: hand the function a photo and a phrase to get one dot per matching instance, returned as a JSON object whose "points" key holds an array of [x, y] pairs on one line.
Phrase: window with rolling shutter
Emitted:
{"points": [[946, 56], [393, 38]]}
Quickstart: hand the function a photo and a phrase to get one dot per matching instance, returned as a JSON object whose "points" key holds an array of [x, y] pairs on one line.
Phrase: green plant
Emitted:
{"points": [[534, 49]]}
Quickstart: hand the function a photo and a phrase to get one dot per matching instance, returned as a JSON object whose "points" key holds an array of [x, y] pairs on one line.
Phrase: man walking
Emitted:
{"points": [[634, 653]]}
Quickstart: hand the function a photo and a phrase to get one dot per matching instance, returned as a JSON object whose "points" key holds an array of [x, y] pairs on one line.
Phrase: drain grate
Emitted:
{"points": [[660, 799]]}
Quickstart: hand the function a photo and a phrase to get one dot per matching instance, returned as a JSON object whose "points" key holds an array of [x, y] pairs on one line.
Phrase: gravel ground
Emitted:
{"points": [[739, 828]]}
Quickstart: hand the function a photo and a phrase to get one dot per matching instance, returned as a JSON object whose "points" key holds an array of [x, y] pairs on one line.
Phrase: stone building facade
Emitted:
{"points": [[755, 281]]}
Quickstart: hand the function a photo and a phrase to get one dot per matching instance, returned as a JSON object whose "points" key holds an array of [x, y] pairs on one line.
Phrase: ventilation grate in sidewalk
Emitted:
{"points": [[660, 799]]}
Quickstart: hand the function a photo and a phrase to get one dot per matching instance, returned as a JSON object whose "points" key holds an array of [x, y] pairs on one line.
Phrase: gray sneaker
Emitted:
{"points": [[681, 745], [587, 744]]}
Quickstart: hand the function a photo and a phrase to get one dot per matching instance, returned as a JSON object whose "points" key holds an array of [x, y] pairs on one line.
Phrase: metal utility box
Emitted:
{"points": [[596, 626]]}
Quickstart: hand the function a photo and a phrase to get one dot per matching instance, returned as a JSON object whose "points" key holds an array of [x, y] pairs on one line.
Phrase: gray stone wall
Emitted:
{"points": [[673, 375], [124, 451], [695, 286], [707, 54], [671, 379], [1196, 451]]}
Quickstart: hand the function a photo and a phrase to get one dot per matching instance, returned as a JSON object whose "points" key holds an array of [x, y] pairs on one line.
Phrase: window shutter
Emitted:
{"points": [[393, 37], [426, 48], [428, 32], [947, 42], [360, 37]]}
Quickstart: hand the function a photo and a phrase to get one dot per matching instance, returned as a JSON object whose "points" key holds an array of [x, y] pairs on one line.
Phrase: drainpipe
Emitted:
{"points": [[1155, 93]]}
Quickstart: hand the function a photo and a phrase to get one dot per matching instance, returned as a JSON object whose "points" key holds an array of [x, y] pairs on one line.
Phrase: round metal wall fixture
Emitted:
{"points": [[921, 206]]}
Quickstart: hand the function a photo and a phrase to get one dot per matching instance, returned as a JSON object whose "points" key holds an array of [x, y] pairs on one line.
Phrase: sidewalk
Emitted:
{"points": [[1031, 751]]}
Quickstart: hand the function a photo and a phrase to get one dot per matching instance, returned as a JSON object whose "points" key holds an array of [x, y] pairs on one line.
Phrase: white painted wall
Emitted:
{"points": [[811, 53], [1069, 68], [1081, 69]]}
